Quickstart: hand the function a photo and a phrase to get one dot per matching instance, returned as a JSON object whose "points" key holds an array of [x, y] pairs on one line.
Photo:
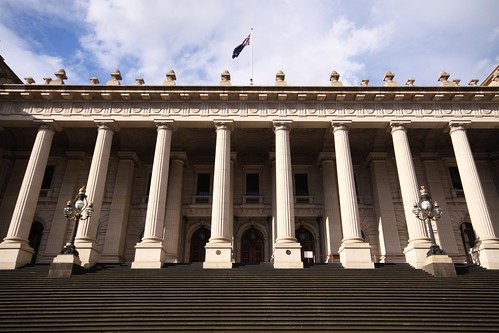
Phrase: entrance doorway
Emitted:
{"points": [[307, 243], [198, 242], [35, 238], [252, 247]]}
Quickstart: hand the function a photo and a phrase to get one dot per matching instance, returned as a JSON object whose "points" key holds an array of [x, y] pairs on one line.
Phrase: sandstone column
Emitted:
{"points": [[287, 251], [354, 252], [331, 206], [150, 252], [475, 198], [419, 243], [219, 247], [86, 237], [15, 250], [174, 207]]}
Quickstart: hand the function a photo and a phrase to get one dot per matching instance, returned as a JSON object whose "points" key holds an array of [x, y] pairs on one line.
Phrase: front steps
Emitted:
{"points": [[258, 298]]}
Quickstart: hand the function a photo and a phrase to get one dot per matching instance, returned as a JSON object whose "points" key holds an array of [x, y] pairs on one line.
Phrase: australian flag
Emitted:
{"points": [[240, 47]]}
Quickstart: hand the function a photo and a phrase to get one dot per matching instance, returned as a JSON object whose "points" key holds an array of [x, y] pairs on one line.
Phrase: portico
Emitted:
{"points": [[224, 175]]}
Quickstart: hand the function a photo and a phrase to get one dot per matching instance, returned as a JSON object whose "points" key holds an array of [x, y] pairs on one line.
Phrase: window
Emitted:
{"points": [[252, 184], [455, 178], [47, 180], [47, 177], [457, 185], [301, 185], [203, 187]]}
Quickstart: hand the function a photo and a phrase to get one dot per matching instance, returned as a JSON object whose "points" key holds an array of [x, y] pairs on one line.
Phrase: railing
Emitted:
{"points": [[459, 193], [201, 199], [252, 199], [303, 199]]}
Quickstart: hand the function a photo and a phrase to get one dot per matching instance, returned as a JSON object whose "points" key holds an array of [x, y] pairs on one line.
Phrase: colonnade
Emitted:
{"points": [[155, 247]]}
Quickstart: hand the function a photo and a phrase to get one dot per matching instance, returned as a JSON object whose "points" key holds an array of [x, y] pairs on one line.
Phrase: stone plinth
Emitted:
{"points": [[287, 255], [65, 265], [218, 255], [356, 255], [439, 265], [149, 255]]}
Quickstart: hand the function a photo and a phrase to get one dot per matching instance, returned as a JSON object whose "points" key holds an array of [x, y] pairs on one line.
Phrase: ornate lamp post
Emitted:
{"points": [[74, 210], [427, 211]]}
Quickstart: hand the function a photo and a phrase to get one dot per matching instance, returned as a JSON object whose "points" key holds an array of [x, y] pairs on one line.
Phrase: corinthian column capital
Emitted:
{"points": [[282, 125]]}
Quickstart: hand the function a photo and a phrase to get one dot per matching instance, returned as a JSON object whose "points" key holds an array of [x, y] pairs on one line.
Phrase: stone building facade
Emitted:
{"points": [[228, 174]]}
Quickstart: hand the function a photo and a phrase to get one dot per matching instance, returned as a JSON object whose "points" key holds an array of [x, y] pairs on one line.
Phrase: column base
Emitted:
{"points": [[356, 255], [149, 255], [218, 255], [488, 254], [440, 265], [415, 253], [15, 254], [287, 255], [65, 265], [88, 253]]}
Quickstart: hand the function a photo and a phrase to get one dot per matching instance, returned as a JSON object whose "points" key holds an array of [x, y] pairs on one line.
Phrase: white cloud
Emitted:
{"points": [[306, 40], [24, 62]]}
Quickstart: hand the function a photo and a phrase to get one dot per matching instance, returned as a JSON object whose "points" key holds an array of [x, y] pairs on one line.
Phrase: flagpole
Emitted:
{"points": [[251, 42]]}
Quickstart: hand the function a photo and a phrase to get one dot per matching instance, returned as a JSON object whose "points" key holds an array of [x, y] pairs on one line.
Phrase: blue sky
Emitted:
{"points": [[307, 39]]}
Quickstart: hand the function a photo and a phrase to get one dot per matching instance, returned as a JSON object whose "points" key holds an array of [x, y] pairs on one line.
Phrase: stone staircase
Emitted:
{"points": [[253, 298]]}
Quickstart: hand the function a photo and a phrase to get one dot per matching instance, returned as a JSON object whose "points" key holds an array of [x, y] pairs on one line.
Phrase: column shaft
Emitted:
{"points": [[15, 248], [86, 238], [419, 242], [219, 247], [155, 217], [284, 185], [346, 182], [472, 187], [287, 249], [354, 252], [220, 214], [488, 243], [150, 252]]}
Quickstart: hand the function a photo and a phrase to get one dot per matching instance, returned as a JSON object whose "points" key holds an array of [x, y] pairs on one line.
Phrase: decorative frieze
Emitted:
{"points": [[307, 111]]}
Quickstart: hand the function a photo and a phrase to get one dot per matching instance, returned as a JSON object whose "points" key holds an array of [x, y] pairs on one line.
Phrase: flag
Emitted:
{"points": [[239, 48]]}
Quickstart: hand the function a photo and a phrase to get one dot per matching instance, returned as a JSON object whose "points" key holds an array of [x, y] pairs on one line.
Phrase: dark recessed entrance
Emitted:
{"points": [[198, 243], [252, 247]]}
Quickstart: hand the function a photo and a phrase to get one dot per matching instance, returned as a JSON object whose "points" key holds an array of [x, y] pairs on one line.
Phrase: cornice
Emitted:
{"points": [[353, 94], [142, 105]]}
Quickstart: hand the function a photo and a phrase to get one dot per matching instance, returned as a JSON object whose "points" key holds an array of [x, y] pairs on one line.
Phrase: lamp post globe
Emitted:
{"points": [[427, 212], [74, 210]]}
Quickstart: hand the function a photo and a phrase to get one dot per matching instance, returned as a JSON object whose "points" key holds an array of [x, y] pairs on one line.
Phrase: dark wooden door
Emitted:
{"points": [[198, 243], [252, 249]]}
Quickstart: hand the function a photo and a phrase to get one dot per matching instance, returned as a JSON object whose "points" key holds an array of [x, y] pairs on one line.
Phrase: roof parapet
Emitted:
{"points": [[170, 78], [115, 78], [280, 78], [335, 79], [225, 78]]}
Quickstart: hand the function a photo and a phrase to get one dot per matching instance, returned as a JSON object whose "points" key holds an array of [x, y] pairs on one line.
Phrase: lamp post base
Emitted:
{"points": [[440, 265], [65, 265]]}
